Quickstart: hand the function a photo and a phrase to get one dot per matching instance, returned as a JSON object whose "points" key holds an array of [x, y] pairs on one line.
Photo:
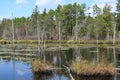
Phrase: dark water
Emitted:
{"points": [[18, 67]]}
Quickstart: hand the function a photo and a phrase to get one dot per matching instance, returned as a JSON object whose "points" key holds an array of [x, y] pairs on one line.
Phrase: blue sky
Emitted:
{"points": [[25, 8]]}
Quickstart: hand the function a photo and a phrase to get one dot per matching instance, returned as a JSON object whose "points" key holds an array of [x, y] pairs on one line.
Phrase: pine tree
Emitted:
{"points": [[118, 15]]}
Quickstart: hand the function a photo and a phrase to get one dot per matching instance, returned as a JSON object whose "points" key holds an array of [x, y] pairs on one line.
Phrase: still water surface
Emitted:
{"points": [[17, 67]]}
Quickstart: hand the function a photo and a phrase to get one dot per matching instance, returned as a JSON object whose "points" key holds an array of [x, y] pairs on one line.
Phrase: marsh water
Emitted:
{"points": [[15, 64]]}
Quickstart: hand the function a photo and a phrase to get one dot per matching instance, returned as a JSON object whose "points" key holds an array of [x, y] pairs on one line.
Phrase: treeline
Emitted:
{"points": [[69, 21]]}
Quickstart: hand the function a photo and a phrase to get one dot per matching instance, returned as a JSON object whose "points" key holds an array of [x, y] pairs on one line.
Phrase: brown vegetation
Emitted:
{"points": [[85, 68], [61, 41], [42, 67]]}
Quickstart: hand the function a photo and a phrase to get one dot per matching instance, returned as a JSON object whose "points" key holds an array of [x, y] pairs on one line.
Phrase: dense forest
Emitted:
{"points": [[66, 22]]}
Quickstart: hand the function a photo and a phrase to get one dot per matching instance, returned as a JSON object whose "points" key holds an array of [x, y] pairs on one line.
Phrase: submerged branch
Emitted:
{"points": [[68, 70]]}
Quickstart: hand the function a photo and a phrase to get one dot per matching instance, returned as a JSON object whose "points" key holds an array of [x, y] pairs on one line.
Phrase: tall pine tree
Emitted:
{"points": [[118, 15]]}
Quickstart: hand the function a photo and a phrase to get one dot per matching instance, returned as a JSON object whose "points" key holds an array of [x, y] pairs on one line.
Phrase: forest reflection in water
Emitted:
{"points": [[57, 58]]}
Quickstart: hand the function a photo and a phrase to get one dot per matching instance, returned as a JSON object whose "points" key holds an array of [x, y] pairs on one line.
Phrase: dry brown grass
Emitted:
{"points": [[84, 67], [105, 69], [40, 65]]}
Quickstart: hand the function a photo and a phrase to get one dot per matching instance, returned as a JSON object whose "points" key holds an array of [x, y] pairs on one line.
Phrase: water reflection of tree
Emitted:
{"points": [[116, 56], [86, 53], [41, 77], [41, 53], [94, 78], [105, 54], [94, 54], [58, 57], [77, 54]]}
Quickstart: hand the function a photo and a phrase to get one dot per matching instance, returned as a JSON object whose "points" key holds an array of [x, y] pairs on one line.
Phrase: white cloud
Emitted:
{"points": [[52, 4], [21, 2], [102, 3], [41, 2], [58, 2], [48, 4], [1, 17]]}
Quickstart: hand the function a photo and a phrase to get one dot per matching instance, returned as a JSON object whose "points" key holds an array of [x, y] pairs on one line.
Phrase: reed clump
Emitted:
{"points": [[105, 69], [40, 66], [85, 68]]}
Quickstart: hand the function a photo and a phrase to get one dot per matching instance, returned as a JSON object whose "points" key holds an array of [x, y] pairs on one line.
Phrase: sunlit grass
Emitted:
{"points": [[61, 41], [84, 67], [40, 65], [105, 68]]}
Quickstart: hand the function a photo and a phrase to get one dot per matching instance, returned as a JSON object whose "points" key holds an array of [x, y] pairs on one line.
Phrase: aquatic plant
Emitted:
{"points": [[41, 66], [85, 68], [105, 69]]}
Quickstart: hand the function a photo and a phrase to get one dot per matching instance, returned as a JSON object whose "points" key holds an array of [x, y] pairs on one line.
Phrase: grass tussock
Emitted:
{"points": [[85, 68], [41, 66]]}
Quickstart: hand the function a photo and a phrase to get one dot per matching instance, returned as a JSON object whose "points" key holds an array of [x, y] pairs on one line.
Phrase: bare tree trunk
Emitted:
{"points": [[13, 30], [38, 32], [114, 33], [76, 25], [59, 32], [108, 37], [114, 57]]}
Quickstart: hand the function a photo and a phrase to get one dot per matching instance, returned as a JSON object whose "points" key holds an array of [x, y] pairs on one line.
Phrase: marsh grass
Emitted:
{"points": [[85, 68], [40, 66], [61, 41]]}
